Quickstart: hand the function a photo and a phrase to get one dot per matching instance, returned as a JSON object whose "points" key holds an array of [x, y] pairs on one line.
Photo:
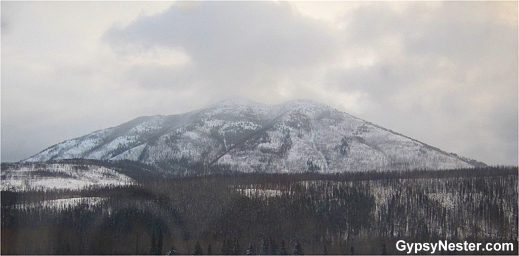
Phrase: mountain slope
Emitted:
{"points": [[60, 175], [246, 136]]}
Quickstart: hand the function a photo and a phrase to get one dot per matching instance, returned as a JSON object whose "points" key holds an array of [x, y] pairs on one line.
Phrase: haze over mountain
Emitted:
{"points": [[241, 135]]}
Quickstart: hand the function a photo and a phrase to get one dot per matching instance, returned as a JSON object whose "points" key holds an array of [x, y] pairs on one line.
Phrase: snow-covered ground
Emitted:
{"points": [[38, 176], [61, 204], [262, 193]]}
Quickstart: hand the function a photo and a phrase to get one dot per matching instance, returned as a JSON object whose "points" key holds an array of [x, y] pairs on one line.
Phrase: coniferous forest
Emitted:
{"points": [[268, 214]]}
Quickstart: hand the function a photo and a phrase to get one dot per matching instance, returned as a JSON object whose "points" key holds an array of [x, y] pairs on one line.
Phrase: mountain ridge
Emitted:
{"points": [[247, 136]]}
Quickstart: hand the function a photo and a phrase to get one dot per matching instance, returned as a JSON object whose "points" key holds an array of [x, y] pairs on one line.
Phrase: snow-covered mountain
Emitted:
{"points": [[241, 135]]}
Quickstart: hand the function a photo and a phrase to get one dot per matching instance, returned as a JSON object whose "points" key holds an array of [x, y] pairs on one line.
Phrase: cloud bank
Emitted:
{"points": [[444, 73]]}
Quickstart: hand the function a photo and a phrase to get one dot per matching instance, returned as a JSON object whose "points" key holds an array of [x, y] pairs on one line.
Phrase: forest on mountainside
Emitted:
{"points": [[305, 213]]}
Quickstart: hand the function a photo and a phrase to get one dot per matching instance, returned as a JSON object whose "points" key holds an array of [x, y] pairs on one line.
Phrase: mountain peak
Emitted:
{"points": [[242, 135], [235, 100], [304, 103]]}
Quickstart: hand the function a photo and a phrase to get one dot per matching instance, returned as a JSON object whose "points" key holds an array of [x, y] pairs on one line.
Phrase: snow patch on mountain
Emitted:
{"points": [[38, 176], [131, 154], [63, 203]]}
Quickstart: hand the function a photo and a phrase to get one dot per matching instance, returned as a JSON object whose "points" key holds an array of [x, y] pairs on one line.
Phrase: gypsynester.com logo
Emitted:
{"points": [[445, 246]]}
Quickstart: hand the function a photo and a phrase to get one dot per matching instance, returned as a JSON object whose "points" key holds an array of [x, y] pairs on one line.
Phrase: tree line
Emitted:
{"points": [[310, 213]]}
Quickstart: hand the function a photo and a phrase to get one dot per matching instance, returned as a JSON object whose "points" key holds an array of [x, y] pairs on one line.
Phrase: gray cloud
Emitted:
{"points": [[451, 68], [266, 33], [232, 44], [444, 73]]}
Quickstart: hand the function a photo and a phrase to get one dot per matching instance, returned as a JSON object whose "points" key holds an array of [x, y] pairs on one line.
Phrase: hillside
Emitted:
{"points": [[60, 175], [245, 136], [348, 213]]}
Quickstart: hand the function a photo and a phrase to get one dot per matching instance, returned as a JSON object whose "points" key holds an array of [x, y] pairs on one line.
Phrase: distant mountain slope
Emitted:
{"points": [[60, 175], [246, 136]]}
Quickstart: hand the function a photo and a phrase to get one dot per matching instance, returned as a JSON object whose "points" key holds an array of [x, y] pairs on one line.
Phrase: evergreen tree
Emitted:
{"points": [[198, 249], [236, 250], [273, 246], [156, 241], [153, 248], [352, 250], [159, 242], [282, 250], [384, 252], [172, 251], [209, 250], [298, 250], [264, 250], [325, 251], [225, 248], [250, 250]]}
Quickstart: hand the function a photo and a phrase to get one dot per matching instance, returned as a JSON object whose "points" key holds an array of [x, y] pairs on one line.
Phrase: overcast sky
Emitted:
{"points": [[444, 73]]}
